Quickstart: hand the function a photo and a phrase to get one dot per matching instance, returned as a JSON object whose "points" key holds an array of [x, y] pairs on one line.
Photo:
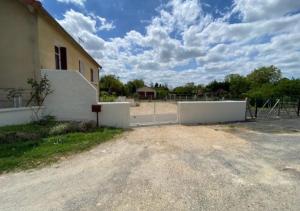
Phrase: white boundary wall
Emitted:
{"points": [[211, 111], [16, 116], [73, 97], [115, 114]]}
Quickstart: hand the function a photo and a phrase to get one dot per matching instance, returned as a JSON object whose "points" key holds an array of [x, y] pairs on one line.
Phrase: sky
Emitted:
{"points": [[179, 41]]}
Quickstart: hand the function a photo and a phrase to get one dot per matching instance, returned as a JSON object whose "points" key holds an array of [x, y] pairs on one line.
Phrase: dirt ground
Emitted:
{"points": [[145, 108], [243, 166]]}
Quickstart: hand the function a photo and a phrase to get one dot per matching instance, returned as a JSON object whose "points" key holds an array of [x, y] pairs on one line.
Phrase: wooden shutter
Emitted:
{"points": [[63, 58], [57, 62]]}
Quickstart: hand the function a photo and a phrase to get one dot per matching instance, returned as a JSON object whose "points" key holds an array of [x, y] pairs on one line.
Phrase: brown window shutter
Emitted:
{"points": [[63, 57], [57, 66]]}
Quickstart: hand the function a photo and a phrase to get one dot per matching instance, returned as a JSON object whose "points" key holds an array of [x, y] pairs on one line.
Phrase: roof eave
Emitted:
{"points": [[39, 7]]}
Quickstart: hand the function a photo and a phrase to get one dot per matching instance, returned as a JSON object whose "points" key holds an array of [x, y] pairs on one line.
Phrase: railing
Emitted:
{"points": [[13, 98]]}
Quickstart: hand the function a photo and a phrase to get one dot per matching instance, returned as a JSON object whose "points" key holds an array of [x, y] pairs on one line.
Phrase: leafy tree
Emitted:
{"points": [[265, 91], [287, 87], [218, 89], [187, 89], [264, 75], [132, 86], [112, 85], [161, 91], [238, 85]]}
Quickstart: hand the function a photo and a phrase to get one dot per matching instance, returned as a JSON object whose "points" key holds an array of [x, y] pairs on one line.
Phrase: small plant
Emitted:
{"points": [[39, 92], [64, 128], [70, 127], [87, 126]]}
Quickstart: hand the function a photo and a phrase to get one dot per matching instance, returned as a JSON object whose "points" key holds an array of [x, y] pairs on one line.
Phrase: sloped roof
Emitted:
{"points": [[145, 89]]}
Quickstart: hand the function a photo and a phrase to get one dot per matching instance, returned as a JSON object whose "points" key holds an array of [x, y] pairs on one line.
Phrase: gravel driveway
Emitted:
{"points": [[229, 167]]}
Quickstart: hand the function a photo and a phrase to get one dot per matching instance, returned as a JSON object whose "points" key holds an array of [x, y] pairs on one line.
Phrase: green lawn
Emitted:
{"points": [[34, 146]]}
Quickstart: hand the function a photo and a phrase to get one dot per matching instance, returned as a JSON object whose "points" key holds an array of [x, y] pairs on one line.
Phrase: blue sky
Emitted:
{"points": [[180, 41]]}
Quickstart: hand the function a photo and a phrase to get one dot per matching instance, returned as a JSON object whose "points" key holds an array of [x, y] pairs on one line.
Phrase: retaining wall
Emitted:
{"points": [[73, 97], [16, 116], [115, 114], [211, 111]]}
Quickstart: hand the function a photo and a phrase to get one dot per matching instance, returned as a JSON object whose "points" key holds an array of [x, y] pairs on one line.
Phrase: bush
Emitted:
{"points": [[69, 127], [39, 131], [2, 138], [87, 126], [46, 120], [63, 128], [14, 137]]}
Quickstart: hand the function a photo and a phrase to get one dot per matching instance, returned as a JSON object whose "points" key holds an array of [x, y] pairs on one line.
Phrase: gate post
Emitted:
{"points": [[154, 111]]}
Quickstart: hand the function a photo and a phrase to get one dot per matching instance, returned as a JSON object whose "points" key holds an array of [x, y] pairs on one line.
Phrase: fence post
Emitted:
{"points": [[255, 115], [154, 111], [279, 107], [298, 109], [247, 108]]}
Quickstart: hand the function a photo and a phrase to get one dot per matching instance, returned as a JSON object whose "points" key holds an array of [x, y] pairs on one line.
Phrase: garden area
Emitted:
{"points": [[41, 143]]}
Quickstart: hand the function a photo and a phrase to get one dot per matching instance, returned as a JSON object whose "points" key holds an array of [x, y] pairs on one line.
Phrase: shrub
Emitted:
{"points": [[87, 126], [14, 137], [68, 127], [46, 120], [2, 138], [63, 128]]}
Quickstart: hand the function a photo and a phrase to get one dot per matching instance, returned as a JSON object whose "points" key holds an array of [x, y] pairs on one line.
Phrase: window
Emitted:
{"points": [[81, 67], [60, 58], [92, 75]]}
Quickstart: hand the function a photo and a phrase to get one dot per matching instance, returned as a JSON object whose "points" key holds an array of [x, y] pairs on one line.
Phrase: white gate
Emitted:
{"points": [[153, 113]]}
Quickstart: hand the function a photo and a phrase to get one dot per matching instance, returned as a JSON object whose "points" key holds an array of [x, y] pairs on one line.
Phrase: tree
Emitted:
{"points": [[265, 91], [112, 85], [287, 87], [264, 75], [238, 85], [218, 89], [187, 89], [132, 86]]}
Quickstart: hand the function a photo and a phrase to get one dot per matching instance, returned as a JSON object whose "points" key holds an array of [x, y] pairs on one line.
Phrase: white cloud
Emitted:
{"points": [[252, 10], [105, 25], [202, 48], [76, 2], [75, 22]]}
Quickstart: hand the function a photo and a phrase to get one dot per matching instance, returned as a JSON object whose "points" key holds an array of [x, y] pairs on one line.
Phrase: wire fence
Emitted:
{"points": [[283, 107]]}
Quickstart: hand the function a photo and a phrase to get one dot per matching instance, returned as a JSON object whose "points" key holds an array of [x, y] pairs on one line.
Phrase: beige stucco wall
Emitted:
{"points": [[50, 35], [19, 51], [18, 44], [27, 40]]}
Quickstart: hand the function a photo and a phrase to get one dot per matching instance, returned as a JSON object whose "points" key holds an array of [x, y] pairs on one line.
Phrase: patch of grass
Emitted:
{"points": [[46, 149]]}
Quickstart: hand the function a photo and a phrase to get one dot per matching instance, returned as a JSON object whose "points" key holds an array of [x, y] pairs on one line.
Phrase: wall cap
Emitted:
{"points": [[2, 110]]}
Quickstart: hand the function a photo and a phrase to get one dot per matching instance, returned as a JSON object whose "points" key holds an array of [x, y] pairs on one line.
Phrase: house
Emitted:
{"points": [[32, 40], [146, 93]]}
